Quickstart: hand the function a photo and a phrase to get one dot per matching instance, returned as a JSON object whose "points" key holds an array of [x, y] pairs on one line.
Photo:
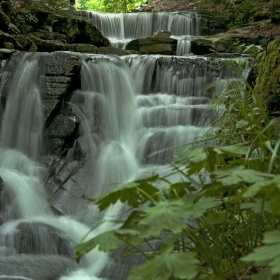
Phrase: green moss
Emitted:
{"points": [[268, 82]]}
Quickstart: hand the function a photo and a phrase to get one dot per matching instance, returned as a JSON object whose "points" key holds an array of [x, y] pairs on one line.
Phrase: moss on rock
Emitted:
{"points": [[268, 82]]}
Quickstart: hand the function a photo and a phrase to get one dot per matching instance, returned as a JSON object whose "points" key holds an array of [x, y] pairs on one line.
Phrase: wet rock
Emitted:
{"points": [[6, 38], [79, 31], [84, 48], [162, 33], [9, 45], [56, 45], [211, 24], [65, 194], [60, 131], [36, 266], [24, 41], [6, 53], [112, 50], [62, 72], [49, 35], [33, 48], [154, 45], [1, 185]]}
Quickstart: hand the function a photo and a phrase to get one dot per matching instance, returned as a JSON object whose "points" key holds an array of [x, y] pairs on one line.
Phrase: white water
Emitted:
{"points": [[120, 29], [128, 109]]}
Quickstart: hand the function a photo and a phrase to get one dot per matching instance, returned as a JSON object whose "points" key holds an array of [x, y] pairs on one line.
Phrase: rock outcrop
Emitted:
{"points": [[41, 31], [154, 45], [227, 42]]}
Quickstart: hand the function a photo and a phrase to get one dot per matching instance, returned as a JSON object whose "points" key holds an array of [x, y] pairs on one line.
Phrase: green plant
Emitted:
{"points": [[225, 227]]}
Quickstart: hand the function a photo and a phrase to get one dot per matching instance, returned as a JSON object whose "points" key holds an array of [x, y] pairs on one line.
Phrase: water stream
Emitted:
{"points": [[129, 108], [120, 29]]}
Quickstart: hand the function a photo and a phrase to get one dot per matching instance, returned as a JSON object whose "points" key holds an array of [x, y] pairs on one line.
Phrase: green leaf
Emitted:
{"points": [[261, 276], [106, 242], [134, 193], [241, 124], [269, 180], [238, 174], [197, 209], [234, 150], [259, 206], [164, 215], [268, 254], [171, 215], [163, 266]]}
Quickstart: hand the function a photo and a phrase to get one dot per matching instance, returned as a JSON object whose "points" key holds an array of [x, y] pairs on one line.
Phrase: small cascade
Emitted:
{"points": [[123, 28], [134, 114], [106, 109], [173, 98]]}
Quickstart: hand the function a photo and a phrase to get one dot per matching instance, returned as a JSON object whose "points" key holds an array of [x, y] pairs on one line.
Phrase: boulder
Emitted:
{"points": [[7, 38], [227, 42], [24, 41], [154, 45], [79, 31], [56, 45], [162, 33], [6, 53], [112, 50], [49, 35]]}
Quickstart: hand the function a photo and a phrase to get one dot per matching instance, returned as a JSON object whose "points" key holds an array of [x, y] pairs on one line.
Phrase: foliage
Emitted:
{"points": [[223, 227], [53, 4], [111, 6]]}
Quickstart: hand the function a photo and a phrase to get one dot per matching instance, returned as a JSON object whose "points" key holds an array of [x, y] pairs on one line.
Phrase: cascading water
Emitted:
{"points": [[132, 111], [123, 28]]}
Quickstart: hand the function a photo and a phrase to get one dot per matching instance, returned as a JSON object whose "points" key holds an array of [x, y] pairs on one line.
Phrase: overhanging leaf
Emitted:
{"points": [[259, 206], [234, 150], [268, 254], [164, 215], [133, 193], [162, 267], [106, 242], [197, 209], [238, 174]]}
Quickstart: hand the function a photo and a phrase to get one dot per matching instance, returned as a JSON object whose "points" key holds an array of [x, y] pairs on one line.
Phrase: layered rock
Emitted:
{"points": [[154, 45], [37, 30], [227, 42]]}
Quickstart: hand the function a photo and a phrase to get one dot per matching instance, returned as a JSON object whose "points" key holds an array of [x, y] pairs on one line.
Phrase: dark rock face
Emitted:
{"points": [[154, 45], [62, 72], [7, 38], [211, 25], [112, 50], [60, 77], [41, 31], [79, 31], [227, 42]]}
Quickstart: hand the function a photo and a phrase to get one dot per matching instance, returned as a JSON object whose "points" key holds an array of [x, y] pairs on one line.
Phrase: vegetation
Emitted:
{"points": [[111, 6]]}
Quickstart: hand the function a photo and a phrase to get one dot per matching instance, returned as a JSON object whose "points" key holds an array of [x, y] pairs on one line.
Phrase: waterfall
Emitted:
{"points": [[134, 114], [123, 28]]}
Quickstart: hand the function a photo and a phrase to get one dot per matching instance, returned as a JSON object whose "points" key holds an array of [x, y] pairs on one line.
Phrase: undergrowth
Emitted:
{"points": [[223, 227]]}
